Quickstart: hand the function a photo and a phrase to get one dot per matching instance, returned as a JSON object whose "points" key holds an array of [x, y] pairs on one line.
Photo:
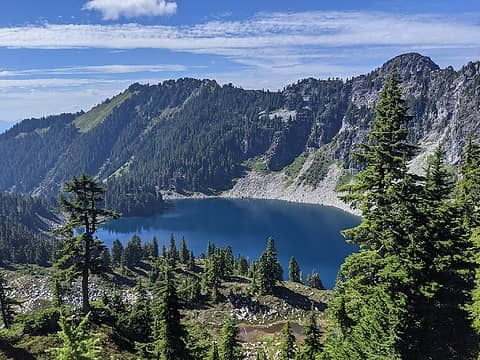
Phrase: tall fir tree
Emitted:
{"points": [[294, 270], [230, 348], [214, 355], [468, 199], [183, 253], [269, 271], [81, 254], [168, 334], [366, 315], [117, 252], [7, 303], [311, 346], [287, 346]]}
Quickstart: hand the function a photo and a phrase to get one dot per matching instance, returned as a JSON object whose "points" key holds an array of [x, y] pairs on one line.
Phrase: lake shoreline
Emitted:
{"points": [[272, 186]]}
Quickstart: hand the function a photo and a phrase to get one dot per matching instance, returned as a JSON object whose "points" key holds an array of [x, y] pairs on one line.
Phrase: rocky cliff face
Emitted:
{"points": [[195, 135]]}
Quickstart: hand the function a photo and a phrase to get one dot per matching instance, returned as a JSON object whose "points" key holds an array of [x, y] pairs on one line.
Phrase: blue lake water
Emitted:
{"points": [[311, 233]]}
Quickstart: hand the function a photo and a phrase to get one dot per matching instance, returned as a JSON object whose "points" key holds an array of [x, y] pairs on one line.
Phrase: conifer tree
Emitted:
{"points": [[117, 252], [191, 261], [81, 254], [441, 291], [7, 303], [183, 253], [269, 271], [133, 252], [78, 342], [314, 281], [230, 348], [311, 347], [168, 334], [368, 309], [468, 200], [213, 355], [287, 346], [155, 251], [172, 252], [294, 271], [241, 266]]}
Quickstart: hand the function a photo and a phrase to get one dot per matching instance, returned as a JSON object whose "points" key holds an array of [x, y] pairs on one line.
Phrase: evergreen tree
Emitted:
{"points": [[82, 253], [314, 281], [155, 250], [228, 261], [441, 291], [311, 346], [213, 355], [269, 271], [366, 315], [117, 252], [241, 266], [7, 303], [183, 253], [168, 334], [230, 348], [468, 198], [172, 252], [191, 261], [78, 342], [294, 271], [139, 318], [287, 346], [212, 277], [133, 253]]}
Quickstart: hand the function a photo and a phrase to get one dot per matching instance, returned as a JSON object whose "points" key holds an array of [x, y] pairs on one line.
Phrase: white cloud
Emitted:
{"points": [[92, 70], [114, 9]]}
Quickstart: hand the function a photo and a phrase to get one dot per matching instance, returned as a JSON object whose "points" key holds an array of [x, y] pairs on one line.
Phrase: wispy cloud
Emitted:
{"points": [[268, 50], [326, 29], [114, 9], [92, 70]]}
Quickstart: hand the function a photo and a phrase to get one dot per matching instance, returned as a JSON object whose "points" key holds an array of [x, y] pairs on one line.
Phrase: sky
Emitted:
{"points": [[67, 55]]}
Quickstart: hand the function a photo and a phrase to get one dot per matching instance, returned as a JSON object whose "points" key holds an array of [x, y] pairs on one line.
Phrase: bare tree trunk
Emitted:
{"points": [[86, 265]]}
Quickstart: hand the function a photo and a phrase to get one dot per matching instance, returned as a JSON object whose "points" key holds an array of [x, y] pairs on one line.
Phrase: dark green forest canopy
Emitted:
{"points": [[191, 135]]}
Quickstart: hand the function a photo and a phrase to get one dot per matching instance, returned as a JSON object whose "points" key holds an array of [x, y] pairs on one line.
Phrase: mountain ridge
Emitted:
{"points": [[195, 136]]}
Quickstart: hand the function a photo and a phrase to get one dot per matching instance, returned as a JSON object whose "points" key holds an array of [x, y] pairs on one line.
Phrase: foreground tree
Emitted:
{"points": [[468, 200], [7, 303], [287, 346], [294, 271], [311, 347], [82, 254], [230, 348], [369, 304], [269, 271], [168, 334], [78, 342]]}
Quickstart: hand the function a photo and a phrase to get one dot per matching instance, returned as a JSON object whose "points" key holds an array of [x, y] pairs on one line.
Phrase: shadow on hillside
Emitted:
{"points": [[15, 353], [297, 300]]}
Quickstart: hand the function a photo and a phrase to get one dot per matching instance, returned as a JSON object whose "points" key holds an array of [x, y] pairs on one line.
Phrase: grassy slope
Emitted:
{"points": [[99, 113]]}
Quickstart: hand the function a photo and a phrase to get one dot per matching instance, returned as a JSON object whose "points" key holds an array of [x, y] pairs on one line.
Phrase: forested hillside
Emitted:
{"points": [[194, 135], [25, 224]]}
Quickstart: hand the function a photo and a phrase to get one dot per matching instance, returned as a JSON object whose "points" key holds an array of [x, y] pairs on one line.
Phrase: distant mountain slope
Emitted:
{"points": [[25, 224], [194, 135]]}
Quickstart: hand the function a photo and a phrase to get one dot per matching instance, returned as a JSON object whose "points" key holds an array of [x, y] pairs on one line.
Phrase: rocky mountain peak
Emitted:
{"points": [[410, 63]]}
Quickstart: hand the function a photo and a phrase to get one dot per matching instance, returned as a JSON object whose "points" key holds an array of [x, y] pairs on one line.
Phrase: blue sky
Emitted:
{"points": [[66, 55]]}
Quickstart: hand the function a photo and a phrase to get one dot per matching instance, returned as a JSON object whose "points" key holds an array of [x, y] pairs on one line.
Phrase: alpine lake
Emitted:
{"points": [[310, 233]]}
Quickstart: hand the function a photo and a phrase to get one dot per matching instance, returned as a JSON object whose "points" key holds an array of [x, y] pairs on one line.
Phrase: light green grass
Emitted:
{"points": [[99, 113]]}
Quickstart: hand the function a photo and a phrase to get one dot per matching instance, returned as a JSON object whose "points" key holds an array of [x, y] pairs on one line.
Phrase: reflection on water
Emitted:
{"points": [[311, 233]]}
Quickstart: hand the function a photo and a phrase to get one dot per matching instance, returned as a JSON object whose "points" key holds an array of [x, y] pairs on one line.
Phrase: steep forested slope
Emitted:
{"points": [[195, 135], [24, 226]]}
